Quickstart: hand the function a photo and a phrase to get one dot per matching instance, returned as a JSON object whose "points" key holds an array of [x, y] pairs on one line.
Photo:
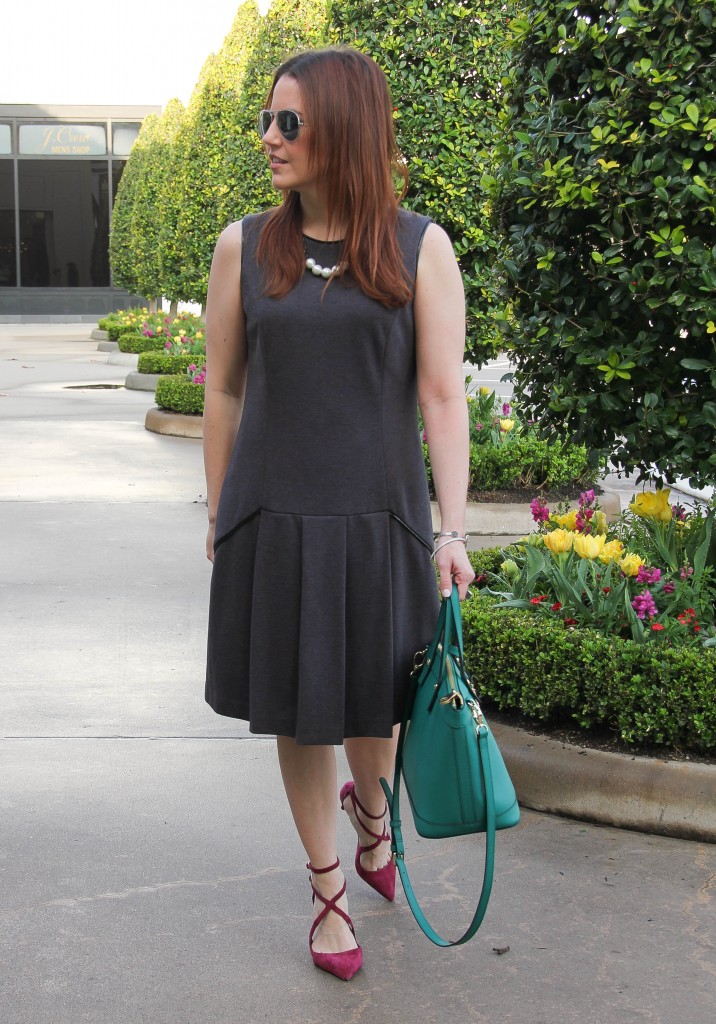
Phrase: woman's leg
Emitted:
{"points": [[369, 759], [309, 778]]}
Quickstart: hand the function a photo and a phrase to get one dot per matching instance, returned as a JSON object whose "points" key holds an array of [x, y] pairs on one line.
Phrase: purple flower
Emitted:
{"points": [[192, 368], [540, 512], [685, 573], [586, 497], [679, 513], [669, 588], [506, 408], [643, 605], [478, 426], [649, 576], [200, 378]]}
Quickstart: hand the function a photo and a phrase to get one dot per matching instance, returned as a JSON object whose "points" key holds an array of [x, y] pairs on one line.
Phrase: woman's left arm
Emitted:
{"points": [[440, 344]]}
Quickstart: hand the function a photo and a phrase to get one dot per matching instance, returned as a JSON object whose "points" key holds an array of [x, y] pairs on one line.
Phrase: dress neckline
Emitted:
{"points": [[323, 241]]}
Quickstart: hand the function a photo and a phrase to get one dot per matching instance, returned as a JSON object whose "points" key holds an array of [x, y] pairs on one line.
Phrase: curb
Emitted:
{"points": [[98, 335], [175, 424], [117, 358], [108, 346], [137, 381], [644, 794]]}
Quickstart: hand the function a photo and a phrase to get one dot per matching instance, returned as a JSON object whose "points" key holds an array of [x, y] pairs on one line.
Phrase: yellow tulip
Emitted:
{"points": [[559, 541], [631, 564], [485, 391], [506, 425], [611, 552], [588, 545], [652, 505], [566, 520], [509, 567], [599, 522]]}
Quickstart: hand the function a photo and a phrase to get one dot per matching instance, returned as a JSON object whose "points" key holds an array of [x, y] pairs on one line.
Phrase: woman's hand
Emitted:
{"points": [[454, 567], [210, 542]]}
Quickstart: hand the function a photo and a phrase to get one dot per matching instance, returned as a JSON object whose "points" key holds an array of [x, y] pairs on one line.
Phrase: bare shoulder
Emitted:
{"points": [[436, 241], [229, 241]]}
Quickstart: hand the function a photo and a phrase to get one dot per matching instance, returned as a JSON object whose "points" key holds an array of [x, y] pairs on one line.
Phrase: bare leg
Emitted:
{"points": [[369, 759], [309, 778]]}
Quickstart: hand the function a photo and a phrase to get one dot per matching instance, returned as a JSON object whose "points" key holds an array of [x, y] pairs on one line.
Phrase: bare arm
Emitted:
{"points": [[440, 343], [225, 367]]}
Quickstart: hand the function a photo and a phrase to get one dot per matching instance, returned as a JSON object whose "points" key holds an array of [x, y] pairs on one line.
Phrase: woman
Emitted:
{"points": [[328, 319]]}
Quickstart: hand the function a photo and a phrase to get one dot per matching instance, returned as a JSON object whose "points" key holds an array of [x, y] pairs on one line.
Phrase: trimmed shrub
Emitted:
{"points": [[659, 697], [445, 62], [178, 394], [161, 362], [139, 343], [606, 195]]}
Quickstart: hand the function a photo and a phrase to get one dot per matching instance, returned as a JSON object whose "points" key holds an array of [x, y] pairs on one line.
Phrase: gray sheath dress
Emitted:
{"points": [[322, 588]]}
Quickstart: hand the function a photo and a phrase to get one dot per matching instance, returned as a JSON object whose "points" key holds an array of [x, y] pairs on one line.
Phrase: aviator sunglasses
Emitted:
{"points": [[288, 123]]}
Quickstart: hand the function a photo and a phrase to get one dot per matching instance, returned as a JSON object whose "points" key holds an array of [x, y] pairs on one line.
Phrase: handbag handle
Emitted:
{"points": [[397, 846]]}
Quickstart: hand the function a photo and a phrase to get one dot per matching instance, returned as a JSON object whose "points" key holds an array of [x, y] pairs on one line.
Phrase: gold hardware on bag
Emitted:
{"points": [[454, 698], [476, 711]]}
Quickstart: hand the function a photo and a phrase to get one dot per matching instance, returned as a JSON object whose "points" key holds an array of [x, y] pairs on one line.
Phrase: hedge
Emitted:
{"points": [[178, 394], [132, 342], [159, 362], [644, 694]]}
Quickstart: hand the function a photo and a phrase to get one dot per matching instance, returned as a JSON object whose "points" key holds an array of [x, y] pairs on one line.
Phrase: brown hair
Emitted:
{"points": [[352, 148]]}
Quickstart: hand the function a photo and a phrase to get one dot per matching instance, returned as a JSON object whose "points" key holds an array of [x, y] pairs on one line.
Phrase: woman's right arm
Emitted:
{"points": [[226, 361]]}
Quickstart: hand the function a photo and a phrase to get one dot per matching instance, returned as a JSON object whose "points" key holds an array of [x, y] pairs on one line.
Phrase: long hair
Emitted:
{"points": [[353, 152]]}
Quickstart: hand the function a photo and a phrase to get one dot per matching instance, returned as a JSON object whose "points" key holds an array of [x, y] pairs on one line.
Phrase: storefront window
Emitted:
{"points": [[123, 137], [63, 139], [5, 139], [64, 223], [8, 251]]}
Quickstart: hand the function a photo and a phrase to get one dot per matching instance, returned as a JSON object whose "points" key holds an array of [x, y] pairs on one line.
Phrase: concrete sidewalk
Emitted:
{"points": [[149, 870]]}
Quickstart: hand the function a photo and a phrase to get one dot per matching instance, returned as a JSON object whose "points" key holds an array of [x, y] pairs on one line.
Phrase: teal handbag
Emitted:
{"points": [[453, 771]]}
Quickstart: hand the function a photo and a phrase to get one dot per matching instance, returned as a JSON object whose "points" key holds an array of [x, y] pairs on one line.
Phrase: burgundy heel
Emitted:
{"points": [[342, 965], [382, 879]]}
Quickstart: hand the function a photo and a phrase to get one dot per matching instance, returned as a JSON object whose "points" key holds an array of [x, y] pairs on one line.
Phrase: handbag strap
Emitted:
{"points": [[393, 799]]}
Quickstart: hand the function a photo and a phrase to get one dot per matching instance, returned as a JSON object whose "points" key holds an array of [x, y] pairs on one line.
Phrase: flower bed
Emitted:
{"points": [[659, 697], [182, 393], [507, 454], [137, 343], [604, 626]]}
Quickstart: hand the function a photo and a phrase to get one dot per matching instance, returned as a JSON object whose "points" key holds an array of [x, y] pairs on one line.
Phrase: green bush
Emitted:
{"points": [[655, 697], [605, 193], [160, 362], [133, 342], [178, 394]]}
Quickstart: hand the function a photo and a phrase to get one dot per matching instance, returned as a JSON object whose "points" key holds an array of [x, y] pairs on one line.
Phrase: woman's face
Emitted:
{"points": [[289, 160]]}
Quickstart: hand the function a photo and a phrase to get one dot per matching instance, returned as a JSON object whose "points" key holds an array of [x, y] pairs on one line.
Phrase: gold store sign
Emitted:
{"points": [[62, 139]]}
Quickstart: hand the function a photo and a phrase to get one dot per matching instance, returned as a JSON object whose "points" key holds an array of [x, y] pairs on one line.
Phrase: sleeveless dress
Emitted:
{"points": [[322, 587]]}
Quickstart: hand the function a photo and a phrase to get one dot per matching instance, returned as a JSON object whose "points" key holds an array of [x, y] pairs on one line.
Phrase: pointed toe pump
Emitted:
{"points": [[382, 879], [342, 965]]}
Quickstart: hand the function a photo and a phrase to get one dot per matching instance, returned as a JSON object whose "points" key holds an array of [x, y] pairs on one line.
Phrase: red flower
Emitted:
{"points": [[555, 607], [606, 590], [538, 600], [570, 622], [657, 627]]}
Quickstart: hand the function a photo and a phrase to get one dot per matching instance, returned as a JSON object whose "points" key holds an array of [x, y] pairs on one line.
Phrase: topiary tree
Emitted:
{"points": [[174, 133], [444, 60], [212, 128], [121, 241], [606, 193], [287, 27], [154, 183]]}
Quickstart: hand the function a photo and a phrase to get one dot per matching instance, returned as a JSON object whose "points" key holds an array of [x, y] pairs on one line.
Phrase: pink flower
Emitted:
{"points": [[586, 497], [192, 368], [167, 344], [478, 426], [200, 378], [425, 438], [506, 408], [649, 576], [643, 605], [539, 510], [685, 573], [669, 588]]}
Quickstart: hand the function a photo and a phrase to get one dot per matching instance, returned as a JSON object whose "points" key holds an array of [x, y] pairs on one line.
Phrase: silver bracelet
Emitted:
{"points": [[452, 540], [448, 533]]}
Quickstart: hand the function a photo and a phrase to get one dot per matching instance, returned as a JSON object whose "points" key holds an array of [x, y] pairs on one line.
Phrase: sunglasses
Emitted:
{"points": [[288, 123]]}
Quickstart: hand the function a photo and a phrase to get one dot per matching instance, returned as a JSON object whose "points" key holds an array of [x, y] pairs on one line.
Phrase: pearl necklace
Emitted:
{"points": [[320, 271]]}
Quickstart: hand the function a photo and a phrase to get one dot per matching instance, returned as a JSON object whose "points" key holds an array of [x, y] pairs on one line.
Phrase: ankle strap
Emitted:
{"points": [[322, 871], [375, 817]]}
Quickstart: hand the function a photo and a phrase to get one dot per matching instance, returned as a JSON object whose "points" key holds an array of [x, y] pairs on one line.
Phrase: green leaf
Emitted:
{"points": [[692, 112]]}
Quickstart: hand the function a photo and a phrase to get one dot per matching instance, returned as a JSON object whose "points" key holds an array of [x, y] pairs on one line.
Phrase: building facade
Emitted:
{"points": [[59, 171]]}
